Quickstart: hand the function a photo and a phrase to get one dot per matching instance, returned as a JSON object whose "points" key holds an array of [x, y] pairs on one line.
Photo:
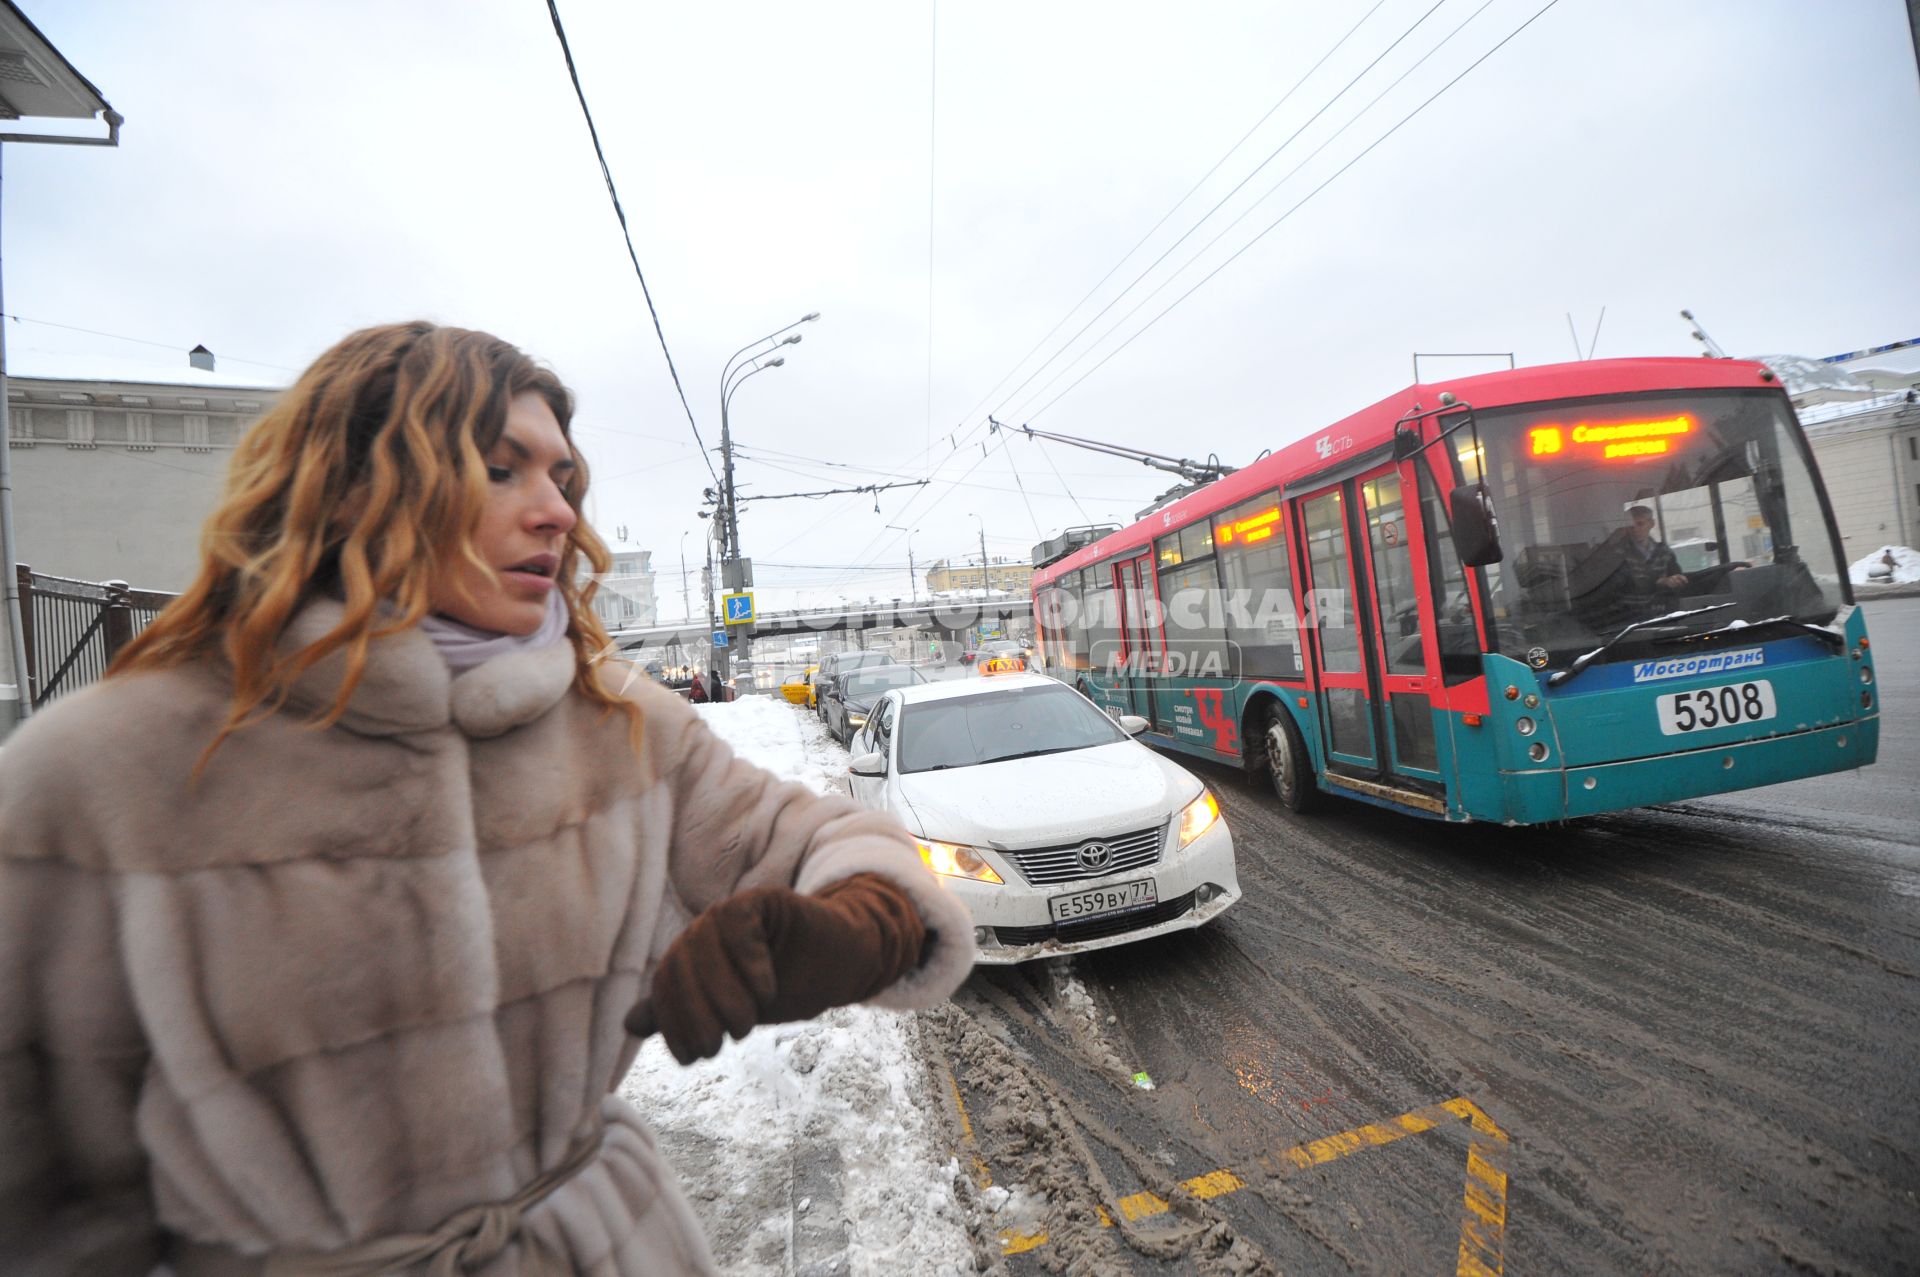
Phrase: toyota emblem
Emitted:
{"points": [[1095, 855]]}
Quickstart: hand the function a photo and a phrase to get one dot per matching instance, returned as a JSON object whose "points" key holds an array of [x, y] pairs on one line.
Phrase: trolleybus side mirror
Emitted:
{"points": [[1476, 533]]}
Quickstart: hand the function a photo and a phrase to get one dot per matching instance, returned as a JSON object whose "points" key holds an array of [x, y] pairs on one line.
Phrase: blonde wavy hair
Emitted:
{"points": [[366, 481]]}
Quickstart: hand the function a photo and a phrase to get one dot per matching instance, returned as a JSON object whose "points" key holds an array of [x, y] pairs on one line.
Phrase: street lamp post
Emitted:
{"points": [[727, 517], [985, 582]]}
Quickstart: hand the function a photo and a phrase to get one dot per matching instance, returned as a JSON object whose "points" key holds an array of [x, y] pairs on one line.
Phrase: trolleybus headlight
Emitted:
{"points": [[1866, 673], [1537, 751], [1523, 725], [1866, 700]]}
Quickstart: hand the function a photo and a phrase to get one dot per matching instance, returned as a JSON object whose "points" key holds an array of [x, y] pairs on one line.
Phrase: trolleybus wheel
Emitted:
{"points": [[1288, 764]]}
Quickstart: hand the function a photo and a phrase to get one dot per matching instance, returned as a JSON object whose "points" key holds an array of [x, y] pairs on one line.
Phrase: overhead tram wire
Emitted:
{"points": [[139, 341], [1218, 204], [1310, 195], [1296, 208], [981, 425], [972, 433], [1224, 231], [566, 50], [1177, 204]]}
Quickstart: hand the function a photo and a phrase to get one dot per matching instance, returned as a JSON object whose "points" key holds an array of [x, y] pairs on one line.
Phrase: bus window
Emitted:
{"points": [[1073, 630], [1196, 542], [1332, 589], [1393, 576], [1452, 606], [1168, 548], [1195, 625], [1102, 612], [1251, 541]]}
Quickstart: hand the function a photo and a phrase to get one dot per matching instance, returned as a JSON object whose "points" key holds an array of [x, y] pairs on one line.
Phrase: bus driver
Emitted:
{"points": [[1629, 577]]}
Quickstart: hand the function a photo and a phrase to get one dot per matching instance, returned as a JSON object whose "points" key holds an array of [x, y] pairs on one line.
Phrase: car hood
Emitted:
{"points": [[1055, 798]]}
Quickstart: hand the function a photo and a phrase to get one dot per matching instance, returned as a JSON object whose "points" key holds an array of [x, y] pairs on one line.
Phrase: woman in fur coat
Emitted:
{"points": [[330, 920]]}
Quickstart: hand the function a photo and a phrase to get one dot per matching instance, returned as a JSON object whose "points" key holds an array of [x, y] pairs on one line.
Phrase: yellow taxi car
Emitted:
{"points": [[798, 689]]}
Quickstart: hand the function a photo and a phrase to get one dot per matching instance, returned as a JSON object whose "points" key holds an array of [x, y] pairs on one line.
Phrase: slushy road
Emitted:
{"points": [[1677, 1039]]}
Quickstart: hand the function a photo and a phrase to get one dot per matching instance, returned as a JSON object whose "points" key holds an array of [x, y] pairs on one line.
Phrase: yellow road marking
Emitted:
{"points": [[982, 1177], [1483, 1220]]}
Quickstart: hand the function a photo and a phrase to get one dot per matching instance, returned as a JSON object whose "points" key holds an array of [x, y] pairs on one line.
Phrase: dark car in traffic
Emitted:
{"points": [[850, 695], [842, 663]]}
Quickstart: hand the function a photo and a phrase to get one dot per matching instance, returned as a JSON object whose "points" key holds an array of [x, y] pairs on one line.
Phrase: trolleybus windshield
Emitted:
{"points": [[1619, 511]]}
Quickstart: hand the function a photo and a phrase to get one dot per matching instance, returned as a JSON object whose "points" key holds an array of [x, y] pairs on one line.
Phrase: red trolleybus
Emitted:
{"points": [[1519, 597]]}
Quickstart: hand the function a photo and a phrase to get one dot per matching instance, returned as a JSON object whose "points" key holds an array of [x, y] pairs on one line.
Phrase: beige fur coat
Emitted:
{"points": [[357, 979]]}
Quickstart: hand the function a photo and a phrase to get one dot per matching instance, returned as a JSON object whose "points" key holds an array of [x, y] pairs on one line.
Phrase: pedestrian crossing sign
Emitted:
{"points": [[738, 608]]}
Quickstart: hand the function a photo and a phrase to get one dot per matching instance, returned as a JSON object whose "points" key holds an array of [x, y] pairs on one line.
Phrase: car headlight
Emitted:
{"points": [[955, 860], [1197, 818]]}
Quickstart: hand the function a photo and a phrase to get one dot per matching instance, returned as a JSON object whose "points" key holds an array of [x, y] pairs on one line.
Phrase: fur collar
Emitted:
{"points": [[407, 688]]}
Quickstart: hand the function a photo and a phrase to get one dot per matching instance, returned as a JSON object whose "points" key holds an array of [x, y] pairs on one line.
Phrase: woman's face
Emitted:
{"points": [[523, 527]]}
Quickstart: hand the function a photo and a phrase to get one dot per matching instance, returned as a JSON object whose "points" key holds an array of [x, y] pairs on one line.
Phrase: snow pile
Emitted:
{"points": [[1889, 565], [768, 1134]]}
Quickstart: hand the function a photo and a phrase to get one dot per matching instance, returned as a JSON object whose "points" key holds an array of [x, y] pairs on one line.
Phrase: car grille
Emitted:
{"points": [[1098, 928], [1043, 866]]}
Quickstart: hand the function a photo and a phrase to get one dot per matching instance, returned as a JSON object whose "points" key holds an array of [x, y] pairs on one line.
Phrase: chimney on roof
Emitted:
{"points": [[200, 357]]}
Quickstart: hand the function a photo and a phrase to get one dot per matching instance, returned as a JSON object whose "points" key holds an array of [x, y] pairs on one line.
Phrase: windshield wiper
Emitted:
{"points": [[1031, 753], [1587, 658], [1821, 632]]}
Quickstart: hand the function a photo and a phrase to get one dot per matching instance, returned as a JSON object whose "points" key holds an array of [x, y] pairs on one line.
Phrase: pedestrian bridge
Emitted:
{"points": [[945, 618]]}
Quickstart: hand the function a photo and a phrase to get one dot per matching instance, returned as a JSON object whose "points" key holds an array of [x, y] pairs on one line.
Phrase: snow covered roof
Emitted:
{"points": [[156, 370], [1845, 410]]}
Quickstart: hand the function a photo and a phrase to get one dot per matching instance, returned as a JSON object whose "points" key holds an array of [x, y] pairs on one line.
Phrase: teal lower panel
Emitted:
{"points": [[1617, 786]]}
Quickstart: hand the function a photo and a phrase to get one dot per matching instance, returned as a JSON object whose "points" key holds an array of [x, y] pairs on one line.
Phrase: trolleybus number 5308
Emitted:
{"points": [[1725, 706]]}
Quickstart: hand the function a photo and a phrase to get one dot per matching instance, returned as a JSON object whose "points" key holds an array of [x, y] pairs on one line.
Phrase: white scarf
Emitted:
{"points": [[463, 647]]}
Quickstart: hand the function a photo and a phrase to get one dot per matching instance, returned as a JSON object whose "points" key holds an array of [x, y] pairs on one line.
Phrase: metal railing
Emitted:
{"points": [[74, 629]]}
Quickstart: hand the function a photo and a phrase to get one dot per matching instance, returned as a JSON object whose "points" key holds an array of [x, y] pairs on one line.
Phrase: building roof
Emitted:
{"points": [[101, 371], [35, 80]]}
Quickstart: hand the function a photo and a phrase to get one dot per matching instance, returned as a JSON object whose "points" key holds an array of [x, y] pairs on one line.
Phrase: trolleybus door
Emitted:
{"points": [[1396, 620], [1139, 635], [1369, 621], [1346, 718]]}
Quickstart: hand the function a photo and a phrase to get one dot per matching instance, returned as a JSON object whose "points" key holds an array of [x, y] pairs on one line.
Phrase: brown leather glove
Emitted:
{"points": [[771, 954]]}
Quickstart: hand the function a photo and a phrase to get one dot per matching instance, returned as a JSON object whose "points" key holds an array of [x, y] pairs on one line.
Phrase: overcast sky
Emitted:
{"points": [[944, 184]]}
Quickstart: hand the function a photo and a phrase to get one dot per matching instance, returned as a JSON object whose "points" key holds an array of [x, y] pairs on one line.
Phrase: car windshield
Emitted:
{"points": [[965, 731], [1619, 511], [870, 683]]}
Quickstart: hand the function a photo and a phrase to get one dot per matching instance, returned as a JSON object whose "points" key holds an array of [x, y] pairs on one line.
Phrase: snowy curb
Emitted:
{"points": [[808, 1148]]}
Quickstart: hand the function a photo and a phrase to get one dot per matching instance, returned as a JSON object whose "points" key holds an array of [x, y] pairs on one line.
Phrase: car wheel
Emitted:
{"points": [[1288, 765]]}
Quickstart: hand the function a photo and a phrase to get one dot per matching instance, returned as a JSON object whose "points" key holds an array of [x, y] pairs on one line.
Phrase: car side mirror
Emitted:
{"points": [[1476, 533], [874, 764], [1133, 724]]}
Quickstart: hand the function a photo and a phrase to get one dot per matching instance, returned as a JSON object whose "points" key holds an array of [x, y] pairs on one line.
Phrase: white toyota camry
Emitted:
{"points": [[1060, 831]]}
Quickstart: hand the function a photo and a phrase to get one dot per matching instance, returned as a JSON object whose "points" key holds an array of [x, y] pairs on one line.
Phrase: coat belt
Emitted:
{"points": [[464, 1241]]}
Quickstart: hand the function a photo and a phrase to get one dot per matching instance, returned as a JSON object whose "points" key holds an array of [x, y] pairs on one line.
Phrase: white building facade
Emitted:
{"points": [[112, 480], [626, 597]]}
